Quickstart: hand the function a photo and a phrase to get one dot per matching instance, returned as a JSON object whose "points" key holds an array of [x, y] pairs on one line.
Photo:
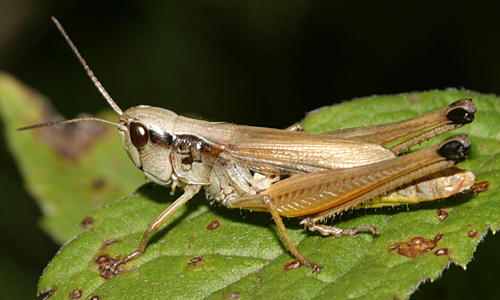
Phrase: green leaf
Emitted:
{"points": [[70, 171], [244, 256]]}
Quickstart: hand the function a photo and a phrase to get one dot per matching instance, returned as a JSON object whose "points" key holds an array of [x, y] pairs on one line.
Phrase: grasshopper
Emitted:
{"points": [[290, 173]]}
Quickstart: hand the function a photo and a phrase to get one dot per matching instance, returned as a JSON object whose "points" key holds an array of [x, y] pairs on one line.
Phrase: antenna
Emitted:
{"points": [[94, 79], [96, 82], [55, 123]]}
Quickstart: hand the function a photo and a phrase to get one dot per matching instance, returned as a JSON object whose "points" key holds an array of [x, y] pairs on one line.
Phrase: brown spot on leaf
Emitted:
{"points": [[442, 214], [76, 294], [233, 295], [213, 225], [472, 233], [196, 261], [70, 140], [292, 265], [106, 266], [441, 252], [87, 223], [480, 187], [415, 246], [316, 268], [95, 297], [97, 184]]}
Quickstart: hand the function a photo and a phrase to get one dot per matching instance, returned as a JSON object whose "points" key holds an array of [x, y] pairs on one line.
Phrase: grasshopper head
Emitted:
{"points": [[146, 135], [144, 130]]}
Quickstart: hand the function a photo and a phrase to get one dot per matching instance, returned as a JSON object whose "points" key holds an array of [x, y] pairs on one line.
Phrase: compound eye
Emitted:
{"points": [[138, 135]]}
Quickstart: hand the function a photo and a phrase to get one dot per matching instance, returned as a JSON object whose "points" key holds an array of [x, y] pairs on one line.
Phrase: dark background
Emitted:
{"points": [[253, 63]]}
